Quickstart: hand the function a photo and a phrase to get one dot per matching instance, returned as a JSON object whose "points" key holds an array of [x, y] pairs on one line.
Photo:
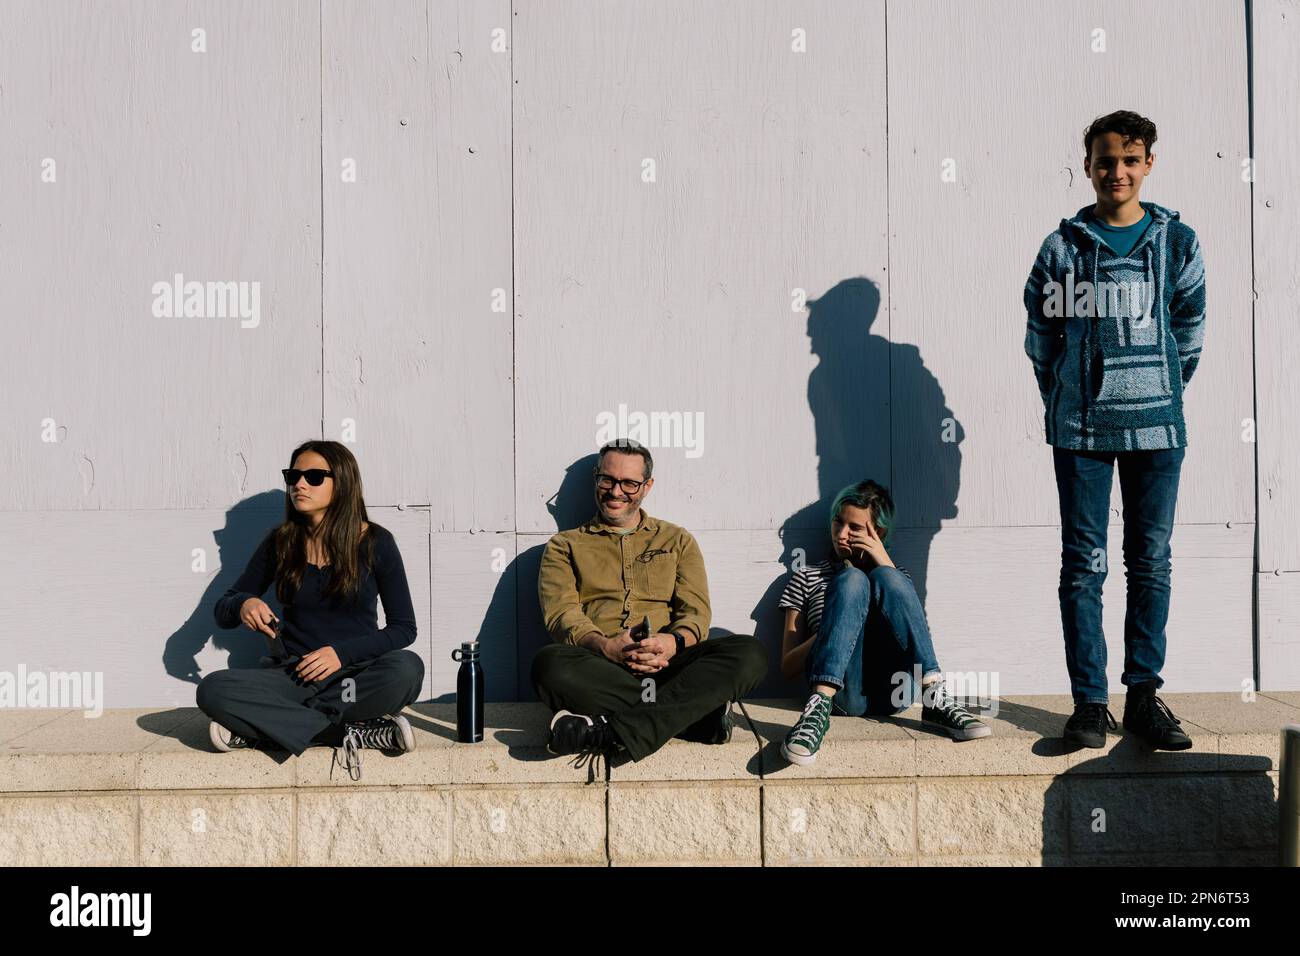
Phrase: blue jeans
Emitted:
{"points": [[1148, 481], [872, 634]]}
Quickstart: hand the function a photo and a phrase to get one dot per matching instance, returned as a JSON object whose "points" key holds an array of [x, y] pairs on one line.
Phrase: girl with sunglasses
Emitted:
{"points": [[332, 676], [856, 631]]}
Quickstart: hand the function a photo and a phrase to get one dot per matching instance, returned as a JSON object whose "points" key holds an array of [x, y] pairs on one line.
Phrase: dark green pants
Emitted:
{"points": [[647, 715]]}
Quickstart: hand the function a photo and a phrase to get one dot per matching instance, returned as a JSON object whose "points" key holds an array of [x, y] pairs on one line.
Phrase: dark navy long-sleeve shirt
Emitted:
{"points": [[312, 621]]}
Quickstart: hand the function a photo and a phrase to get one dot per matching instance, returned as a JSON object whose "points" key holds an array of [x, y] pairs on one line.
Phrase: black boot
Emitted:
{"points": [[1088, 724], [1150, 718]]}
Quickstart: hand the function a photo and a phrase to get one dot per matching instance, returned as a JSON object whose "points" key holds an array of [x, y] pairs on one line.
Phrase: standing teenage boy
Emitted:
{"points": [[1116, 306]]}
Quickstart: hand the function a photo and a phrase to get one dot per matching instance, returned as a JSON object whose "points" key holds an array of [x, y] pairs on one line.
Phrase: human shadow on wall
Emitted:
{"points": [[878, 413], [246, 524], [512, 630]]}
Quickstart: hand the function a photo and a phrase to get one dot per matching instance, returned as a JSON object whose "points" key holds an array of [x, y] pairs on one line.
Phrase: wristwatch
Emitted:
{"points": [[681, 641]]}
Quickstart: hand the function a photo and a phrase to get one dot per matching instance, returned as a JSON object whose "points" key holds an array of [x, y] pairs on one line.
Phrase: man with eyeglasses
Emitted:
{"points": [[610, 691]]}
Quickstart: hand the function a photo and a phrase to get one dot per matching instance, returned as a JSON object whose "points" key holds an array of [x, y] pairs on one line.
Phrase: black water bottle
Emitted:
{"points": [[469, 694]]}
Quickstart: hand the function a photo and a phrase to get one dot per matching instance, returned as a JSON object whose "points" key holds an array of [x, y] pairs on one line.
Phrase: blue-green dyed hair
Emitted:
{"points": [[871, 496]]}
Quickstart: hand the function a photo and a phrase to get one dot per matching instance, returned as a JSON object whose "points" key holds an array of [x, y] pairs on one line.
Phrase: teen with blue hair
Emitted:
{"points": [[855, 628]]}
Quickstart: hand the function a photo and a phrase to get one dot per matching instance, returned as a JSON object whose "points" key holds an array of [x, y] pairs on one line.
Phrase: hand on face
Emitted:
{"points": [[866, 547]]}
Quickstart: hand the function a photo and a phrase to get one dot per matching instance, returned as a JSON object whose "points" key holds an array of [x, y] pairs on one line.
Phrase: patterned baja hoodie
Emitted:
{"points": [[1114, 339]]}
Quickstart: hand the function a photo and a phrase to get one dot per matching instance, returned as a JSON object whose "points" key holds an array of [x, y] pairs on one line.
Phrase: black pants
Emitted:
{"points": [[270, 703], [699, 680]]}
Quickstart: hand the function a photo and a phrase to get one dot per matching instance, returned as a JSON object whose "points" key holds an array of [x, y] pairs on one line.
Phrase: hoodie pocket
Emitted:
{"points": [[1132, 388]]}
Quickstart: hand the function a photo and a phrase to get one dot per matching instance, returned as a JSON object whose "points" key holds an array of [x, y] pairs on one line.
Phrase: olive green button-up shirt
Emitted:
{"points": [[595, 579]]}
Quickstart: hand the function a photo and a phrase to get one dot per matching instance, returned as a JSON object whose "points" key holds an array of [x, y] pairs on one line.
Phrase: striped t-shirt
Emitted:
{"points": [[806, 591]]}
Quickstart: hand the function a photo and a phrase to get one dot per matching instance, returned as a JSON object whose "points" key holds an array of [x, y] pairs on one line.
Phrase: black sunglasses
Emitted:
{"points": [[315, 476]]}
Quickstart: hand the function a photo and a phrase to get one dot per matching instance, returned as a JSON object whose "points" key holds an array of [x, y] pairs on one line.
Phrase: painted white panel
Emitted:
{"points": [[676, 295], [474, 579], [1004, 92], [168, 162], [124, 593], [417, 339], [1279, 631], [1277, 283]]}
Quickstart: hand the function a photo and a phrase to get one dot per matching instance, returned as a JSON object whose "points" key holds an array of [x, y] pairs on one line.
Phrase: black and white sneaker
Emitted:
{"points": [[579, 734], [226, 740], [940, 709], [390, 733]]}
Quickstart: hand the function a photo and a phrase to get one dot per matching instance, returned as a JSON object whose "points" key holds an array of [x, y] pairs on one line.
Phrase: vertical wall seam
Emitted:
{"points": [[889, 281], [320, 90], [1248, 8], [514, 374], [428, 533], [609, 857]]}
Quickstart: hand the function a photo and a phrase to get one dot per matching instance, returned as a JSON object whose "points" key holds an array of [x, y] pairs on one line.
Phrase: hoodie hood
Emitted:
{"points": [[1086, 241], [1077, 225]]}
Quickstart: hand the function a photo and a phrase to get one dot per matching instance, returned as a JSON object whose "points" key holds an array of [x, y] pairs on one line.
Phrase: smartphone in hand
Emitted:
{"points": [[276, 643], [642, 630]]}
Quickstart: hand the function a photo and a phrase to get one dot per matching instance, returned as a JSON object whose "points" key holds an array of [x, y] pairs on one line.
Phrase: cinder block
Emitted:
{"points": [[29, 772], [978, 861], [186, 760], [1248, 812], [1144, 859], [69, 830], [375, 828], [540, 824], [680, 760], [211, 829], [1143, 814], [683, 824], [990, 817], [817, 823]]}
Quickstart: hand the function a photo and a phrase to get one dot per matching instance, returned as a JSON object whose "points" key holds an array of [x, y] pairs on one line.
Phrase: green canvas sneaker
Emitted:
{"points": [[805, 737]]}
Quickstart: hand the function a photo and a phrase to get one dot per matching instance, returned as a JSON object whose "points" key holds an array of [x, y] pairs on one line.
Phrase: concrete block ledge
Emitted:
{"points": [[142, 787]]}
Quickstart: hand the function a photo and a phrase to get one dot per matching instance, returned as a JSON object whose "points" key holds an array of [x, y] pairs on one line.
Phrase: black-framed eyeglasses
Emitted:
{"points": [[629, 485], [315, 476]]}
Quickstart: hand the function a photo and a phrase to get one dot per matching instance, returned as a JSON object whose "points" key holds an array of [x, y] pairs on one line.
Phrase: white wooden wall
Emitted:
{"points": [[563, 207]]}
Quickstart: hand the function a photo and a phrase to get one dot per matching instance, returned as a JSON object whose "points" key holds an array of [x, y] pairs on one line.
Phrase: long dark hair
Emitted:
{"points": [[340, 530]]}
